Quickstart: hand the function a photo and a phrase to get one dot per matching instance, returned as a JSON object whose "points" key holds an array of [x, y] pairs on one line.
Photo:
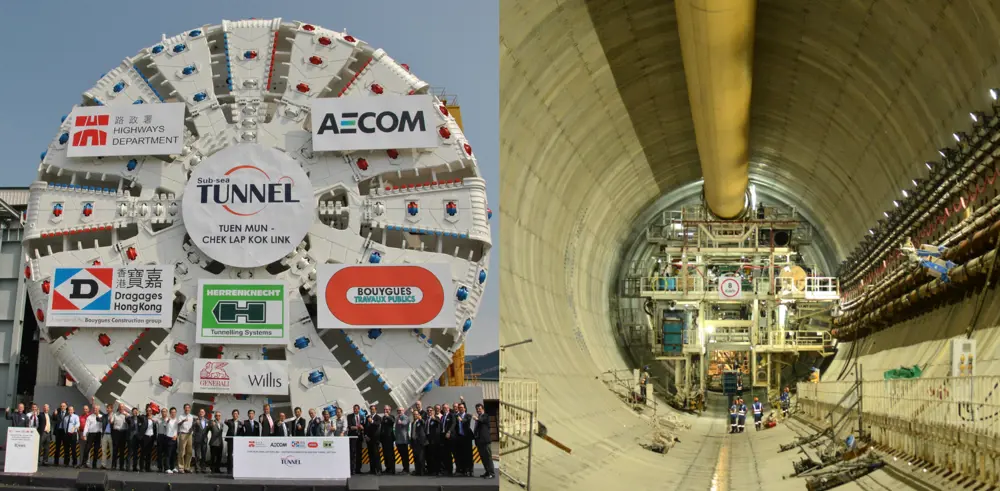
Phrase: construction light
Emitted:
{"points": [[930, 165], [895, 203], [886, 213], [906, 194], [994, 93]]}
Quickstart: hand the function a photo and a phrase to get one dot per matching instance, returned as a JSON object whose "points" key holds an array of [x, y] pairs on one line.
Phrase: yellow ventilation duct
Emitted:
{"points": [[717, 46]]}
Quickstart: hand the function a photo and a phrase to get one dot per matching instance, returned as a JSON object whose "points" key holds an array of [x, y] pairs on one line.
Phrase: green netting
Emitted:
{"points": [[903, 372]]}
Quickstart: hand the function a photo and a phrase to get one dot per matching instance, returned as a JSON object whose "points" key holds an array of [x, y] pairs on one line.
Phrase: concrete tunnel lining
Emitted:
{"points": [[849, 99]]}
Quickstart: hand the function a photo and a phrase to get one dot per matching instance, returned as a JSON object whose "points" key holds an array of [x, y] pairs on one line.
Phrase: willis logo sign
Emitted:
{"points": [[375, 123], [249, 377], [405, 296]]}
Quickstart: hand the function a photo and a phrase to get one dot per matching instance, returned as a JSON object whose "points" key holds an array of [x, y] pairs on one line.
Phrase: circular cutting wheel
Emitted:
{"points": [[250, 83]]}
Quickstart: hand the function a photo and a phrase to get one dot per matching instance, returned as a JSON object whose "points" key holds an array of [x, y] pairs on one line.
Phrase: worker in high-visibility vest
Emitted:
{"points": [[758, 413], [786, 402], [732, 416], [742, 415]]}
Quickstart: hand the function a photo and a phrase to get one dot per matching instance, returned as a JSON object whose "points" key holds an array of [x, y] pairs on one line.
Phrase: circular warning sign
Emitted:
{"points": [[248, 205], [730, 287]]}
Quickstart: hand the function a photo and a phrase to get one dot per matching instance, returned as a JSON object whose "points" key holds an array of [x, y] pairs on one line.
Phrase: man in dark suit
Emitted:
{"points": [[282, 426], [315, 425], [251, 427], [299, 424], [215, 430], [199, 440], [373, 433], [355, 428], [267, 422], [146, 430], [46, 425], [234, 427], [387, 440], [448, 437], [483, 439], [433, 442], [463, 442], [418, 441], [133, 440], [59, 431]]}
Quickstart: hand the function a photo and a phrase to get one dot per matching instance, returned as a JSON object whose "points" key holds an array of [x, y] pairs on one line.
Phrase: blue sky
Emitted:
{"points": [[59, 49]]}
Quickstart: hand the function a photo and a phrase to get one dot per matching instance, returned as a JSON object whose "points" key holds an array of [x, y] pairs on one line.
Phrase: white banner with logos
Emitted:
{"points": [[292, 458], [21, 455], [393, 296], [375, 123], [124, 296], [248, 205], [134, 129], [249, 377]]}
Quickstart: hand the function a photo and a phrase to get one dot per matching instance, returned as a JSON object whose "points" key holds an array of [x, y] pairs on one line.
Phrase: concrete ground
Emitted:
{"points": [[707, 458]]}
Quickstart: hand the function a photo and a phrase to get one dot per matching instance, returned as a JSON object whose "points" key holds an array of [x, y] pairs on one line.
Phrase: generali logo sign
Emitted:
{"points": [[232, 376], [139, 129], [385, 296]]}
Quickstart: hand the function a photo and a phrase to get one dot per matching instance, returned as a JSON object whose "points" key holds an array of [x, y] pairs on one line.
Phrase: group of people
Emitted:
{"points": [[738, 412], [440, 438], [738, 415]]}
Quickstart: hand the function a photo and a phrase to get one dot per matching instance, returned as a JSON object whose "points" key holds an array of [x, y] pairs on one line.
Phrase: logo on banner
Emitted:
{"points": [[290, 461], [126, 296], [384, 295], [374, 123], [248, 205], [371, 122], [298, 444], [93, 133], [231, 312], [327, 444], [312, 444], [241, 312], [245, 190], [82, 289], [279, 444], [213, 374], [140, 129]]}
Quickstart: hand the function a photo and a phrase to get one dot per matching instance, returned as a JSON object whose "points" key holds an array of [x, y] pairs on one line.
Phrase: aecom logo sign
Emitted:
{"points": [[374, 123], [384, 295], [370, 122]]}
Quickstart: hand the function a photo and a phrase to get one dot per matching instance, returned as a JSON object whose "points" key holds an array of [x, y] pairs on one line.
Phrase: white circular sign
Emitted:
{"points": [[730, 287], [248, 205]]}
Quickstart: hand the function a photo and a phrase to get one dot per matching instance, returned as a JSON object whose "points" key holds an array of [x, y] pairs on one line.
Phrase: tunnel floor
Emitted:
{"points": [[709, 458]]}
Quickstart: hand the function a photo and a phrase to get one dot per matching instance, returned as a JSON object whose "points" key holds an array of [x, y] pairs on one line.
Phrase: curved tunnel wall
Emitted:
{"points": [[849, 99]]}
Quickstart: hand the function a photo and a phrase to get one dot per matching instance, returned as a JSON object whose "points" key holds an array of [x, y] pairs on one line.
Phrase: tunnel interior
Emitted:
{"points": [[851, 104]]}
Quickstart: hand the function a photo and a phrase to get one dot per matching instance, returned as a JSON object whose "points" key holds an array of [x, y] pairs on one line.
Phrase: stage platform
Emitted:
{"points": [[65, 479]]}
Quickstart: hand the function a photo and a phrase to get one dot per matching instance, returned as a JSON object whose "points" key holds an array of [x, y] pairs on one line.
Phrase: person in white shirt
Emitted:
{"points": [[71, 423], [185, 445], [170, 432], [91, 438], [339, 424], [119, 440], [162, 448]]}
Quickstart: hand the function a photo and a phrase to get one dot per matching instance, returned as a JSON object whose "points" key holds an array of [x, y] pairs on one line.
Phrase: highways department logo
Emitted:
{"points": [[85, 289], [93, 132]]}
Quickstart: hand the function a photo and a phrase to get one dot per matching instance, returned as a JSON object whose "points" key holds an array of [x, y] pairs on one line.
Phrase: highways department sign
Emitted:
{"points": [[242, 312]]}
